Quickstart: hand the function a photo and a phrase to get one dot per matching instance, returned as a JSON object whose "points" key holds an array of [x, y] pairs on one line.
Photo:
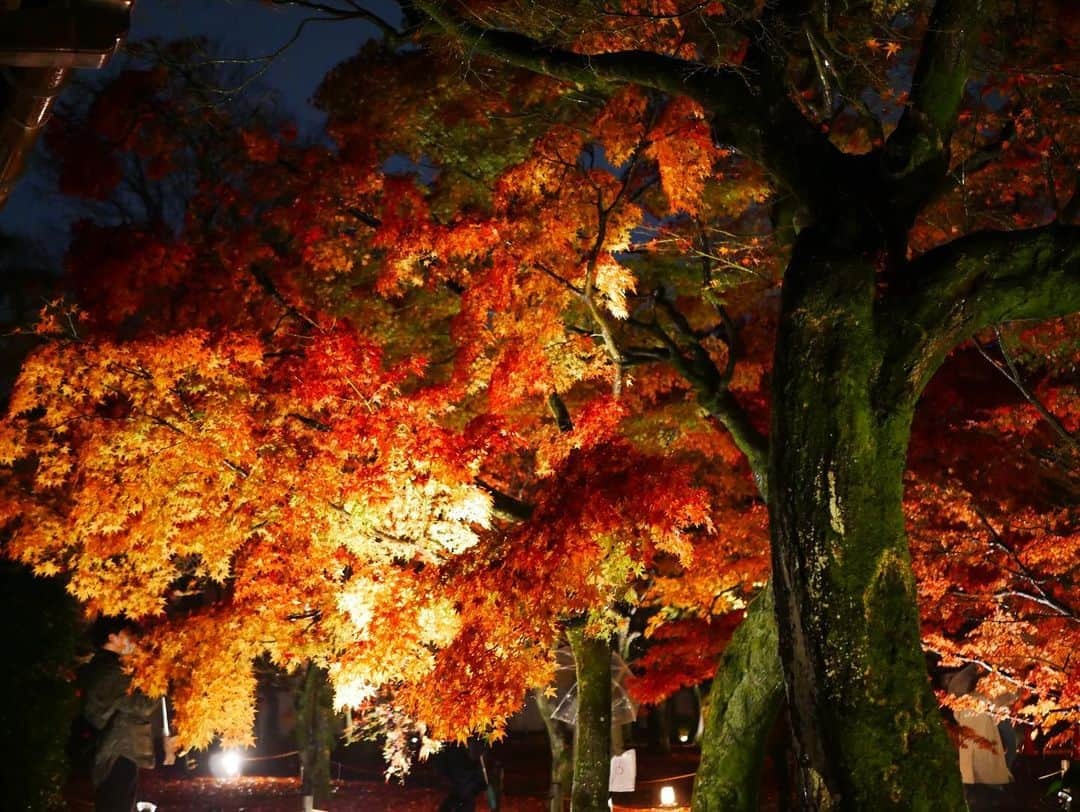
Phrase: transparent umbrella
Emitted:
{"points": [[623, 709]]}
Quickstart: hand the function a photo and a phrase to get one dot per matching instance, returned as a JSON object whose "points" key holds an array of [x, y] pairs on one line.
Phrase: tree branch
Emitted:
{"points": [[310, 422], [917, 153], [588, 292], [751, 442], [560, 412], [1058, 608], [364, 217], [761, 122], [710, 387], [504, 505], [975, 282], [979, 160], [1009, 370]]}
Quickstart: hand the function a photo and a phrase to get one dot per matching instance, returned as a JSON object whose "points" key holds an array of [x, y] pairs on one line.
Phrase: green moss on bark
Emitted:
{"points": [[862, 711], [743, 701], [592, 738]]}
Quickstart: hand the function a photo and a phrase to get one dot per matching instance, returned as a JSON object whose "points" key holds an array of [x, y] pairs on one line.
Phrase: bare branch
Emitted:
{"points": [[1009, 370], [1058, 608]]}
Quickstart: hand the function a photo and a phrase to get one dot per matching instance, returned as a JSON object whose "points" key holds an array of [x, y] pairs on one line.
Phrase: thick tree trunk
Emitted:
{"points": [[560, 740], [592, 737], [866, 723], [743, 702]]}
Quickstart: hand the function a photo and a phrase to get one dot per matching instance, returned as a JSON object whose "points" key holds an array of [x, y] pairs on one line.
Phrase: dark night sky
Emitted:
{"points": [[243, 28], [252, 28]]}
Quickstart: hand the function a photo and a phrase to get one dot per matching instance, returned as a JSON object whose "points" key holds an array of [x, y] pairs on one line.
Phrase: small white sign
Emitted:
{"points": [[623, 772]]}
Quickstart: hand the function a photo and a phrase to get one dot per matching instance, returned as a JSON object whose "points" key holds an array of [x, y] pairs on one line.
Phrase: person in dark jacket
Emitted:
{"points": [[461, 764], [122, 718]]}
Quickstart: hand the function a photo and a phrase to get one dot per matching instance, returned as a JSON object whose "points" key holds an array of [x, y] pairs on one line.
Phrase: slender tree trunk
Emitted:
{"points": [[315, 736], [618, 742], [743, 702], [699, 729], [867, 726], [660, 728], [560, 740], [592, 736], [624, 735]]}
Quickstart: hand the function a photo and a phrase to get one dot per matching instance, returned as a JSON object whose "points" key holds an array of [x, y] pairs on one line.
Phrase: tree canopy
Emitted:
{"points": [[584, 304]]}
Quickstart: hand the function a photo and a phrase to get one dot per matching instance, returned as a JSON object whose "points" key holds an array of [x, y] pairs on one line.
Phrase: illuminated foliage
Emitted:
{"points": [[993, 520], [565, 312]]}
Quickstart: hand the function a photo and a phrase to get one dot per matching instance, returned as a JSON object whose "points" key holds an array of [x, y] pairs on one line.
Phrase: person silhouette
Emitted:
{"points": [[122, 718]]}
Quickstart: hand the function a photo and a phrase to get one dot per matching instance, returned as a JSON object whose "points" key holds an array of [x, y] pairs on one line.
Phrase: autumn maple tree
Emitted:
{"points": [[580, 294], [867, 314], [239, 434], [869, 200]]}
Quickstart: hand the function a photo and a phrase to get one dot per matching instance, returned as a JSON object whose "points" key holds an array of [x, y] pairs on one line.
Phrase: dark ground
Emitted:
{"points": [[524, 761]]}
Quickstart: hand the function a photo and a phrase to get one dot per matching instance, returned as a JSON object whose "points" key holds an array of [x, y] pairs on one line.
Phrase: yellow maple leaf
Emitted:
{"points": [[614, 281]]}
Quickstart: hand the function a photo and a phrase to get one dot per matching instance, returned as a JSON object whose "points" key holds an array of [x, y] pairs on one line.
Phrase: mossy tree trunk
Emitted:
{"points": [[850, 365], [743, 702], [865, 720], [592, 736], [561, 742]]}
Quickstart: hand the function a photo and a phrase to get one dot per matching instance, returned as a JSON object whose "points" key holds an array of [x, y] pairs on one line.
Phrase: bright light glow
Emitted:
{"points": [[227, 764], [145, 806], [684, 737], [351, 692], [667, 796], [358, 601]]}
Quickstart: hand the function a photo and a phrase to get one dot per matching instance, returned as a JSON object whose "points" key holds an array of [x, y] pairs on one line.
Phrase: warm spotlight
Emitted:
{"points": [[227, 764]]}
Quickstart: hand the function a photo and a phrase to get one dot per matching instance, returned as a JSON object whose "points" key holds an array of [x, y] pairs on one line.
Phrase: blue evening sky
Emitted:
{"points": [[242, 28]]}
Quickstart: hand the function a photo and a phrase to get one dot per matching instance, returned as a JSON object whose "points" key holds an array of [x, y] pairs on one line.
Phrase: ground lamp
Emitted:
{"points": [[227, 764], [667, 796]]}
